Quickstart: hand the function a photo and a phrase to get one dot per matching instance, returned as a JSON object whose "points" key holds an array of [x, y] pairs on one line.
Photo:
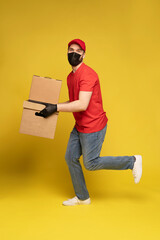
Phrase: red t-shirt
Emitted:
{"points": [[94, 118]]}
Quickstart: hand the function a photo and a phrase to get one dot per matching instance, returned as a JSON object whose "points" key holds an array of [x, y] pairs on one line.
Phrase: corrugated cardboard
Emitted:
{"points": [[43, 90]]}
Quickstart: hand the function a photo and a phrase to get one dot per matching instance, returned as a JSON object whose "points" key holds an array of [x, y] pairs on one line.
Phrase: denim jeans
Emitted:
{"points": [[89, 145]]}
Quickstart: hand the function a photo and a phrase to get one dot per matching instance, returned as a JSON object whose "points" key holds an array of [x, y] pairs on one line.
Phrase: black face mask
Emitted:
{"points": [[74, 58]]}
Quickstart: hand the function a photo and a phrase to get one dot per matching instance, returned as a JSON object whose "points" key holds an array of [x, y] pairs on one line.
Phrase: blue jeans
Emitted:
{"points": [[89, 145]]}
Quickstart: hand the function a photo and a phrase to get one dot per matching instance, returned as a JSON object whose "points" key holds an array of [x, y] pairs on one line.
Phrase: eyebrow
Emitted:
{"points": [[75, 49]]}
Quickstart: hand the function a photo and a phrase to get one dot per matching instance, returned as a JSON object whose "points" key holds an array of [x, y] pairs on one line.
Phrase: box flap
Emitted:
{"points": [[33, 106], [45, 89]]}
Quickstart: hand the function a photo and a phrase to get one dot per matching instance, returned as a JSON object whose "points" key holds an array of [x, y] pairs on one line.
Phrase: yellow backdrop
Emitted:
{"points": [[123, 47]]}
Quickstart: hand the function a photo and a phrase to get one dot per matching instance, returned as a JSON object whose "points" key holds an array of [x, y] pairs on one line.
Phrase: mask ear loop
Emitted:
{"points": [[82, 56]]}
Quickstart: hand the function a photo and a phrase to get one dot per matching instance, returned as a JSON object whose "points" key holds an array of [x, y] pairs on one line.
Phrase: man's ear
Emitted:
{"points": [[84, 55]]}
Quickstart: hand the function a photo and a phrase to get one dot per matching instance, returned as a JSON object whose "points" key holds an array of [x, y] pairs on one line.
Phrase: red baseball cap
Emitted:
{"points": [[79, 42]]}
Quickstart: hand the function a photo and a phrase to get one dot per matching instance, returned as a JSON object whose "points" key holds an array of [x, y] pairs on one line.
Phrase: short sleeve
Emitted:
{"points": [[87, 82]]}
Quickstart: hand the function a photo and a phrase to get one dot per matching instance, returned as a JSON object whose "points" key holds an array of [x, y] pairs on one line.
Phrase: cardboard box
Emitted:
{"points": [[43, 89]]}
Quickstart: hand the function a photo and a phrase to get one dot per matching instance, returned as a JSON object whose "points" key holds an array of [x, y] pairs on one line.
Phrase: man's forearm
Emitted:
{"points": [[75, 106], [78, 105]]}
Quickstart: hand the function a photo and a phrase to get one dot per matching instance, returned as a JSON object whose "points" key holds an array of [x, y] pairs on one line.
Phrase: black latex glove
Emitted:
{"points": [[47, 111]]}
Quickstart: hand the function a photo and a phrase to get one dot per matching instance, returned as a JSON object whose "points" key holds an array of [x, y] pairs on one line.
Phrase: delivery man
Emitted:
{"points": [[87, 136]]}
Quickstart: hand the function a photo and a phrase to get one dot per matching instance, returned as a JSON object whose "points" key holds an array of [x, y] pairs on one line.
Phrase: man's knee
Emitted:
{"points": [[88, 165], [70, 158]]}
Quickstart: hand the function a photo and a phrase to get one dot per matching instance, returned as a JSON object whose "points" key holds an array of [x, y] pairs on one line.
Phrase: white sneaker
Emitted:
{"points": [[76, 201], [137, 168]]}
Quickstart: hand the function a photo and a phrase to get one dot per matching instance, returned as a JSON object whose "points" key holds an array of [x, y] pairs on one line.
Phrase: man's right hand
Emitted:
{"points": [[47, 111]]}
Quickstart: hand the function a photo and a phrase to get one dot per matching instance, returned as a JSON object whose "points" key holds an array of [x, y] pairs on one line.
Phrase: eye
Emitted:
{"points": [[70, 50]]}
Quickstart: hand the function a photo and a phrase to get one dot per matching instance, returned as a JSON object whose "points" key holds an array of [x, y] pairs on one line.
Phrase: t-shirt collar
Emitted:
{"points": [[78, 69]]}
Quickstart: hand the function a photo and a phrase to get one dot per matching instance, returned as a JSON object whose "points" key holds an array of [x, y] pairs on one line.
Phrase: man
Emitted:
{"points": [[87, 136]]}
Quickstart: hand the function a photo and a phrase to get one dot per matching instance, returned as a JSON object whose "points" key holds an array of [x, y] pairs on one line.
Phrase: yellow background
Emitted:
{"points": [[123, 47]]}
